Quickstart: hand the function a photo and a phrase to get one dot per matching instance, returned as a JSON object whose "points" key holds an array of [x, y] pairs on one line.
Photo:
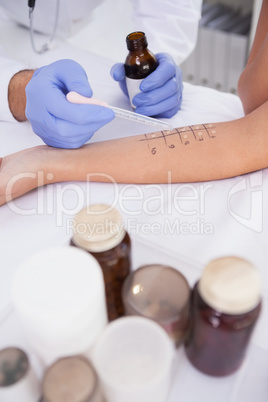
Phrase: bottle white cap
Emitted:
{"points": [[230, 285], [97, 228]]}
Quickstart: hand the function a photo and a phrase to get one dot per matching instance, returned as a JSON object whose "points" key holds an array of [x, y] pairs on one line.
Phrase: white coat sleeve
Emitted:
{"points": [[170, 25], [7, 69]]}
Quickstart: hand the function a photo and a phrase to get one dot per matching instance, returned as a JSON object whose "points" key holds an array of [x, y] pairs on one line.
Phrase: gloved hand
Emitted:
{"points": [[53, 118], [161, 91]]}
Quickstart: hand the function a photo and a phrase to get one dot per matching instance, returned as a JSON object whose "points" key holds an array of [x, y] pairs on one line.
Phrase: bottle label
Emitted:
{"points": [[133, 87]]}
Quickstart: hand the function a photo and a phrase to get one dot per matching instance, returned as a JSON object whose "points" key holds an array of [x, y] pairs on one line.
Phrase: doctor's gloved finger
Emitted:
{"points": [[164, 72], [73, 76], [160, 108], [157, 95], [63, 129], [61, 74], [65, 133], [118, 72], [70, 138], [79, 113], [169, 113], [123, 87]]}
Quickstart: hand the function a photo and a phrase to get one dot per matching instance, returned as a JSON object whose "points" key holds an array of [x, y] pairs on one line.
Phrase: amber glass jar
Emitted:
{"points": [[139, 63], [99, 230], [225, 306]]}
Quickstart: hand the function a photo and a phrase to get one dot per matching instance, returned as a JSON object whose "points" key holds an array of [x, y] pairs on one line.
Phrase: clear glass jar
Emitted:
{"points": [[225, 306], [99, 230]]}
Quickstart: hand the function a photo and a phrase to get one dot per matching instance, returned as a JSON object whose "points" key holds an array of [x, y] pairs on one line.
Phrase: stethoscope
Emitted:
{"points": [[46, 46]]}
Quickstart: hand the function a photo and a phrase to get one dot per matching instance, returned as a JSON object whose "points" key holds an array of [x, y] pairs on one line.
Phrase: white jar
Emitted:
{"points": [[59, 296]]}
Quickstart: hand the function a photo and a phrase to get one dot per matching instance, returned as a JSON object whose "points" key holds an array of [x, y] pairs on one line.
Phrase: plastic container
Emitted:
{"points": [[133, 358], [226, 304], [99, 230], [59, 296], [161, 293]]}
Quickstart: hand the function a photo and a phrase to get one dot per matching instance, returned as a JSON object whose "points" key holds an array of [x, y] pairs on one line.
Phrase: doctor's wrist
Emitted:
{"points": [[16, 93]]}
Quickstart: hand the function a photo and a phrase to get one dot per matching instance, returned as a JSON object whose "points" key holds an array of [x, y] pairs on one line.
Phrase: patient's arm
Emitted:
{"points": [[253, 83], [194, 153]]}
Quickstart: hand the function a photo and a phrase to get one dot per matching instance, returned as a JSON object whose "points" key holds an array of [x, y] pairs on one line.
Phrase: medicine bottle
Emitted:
{"points": [[99, 230], [225, 306], [139, 63]]}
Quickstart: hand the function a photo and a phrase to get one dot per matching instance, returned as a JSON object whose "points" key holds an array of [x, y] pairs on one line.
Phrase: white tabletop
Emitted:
{"points": [[184, 225]]}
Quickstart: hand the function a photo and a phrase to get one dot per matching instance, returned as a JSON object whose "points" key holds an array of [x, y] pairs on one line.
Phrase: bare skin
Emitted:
{"points": [[196, 153], [16, 93], [253, 83], [187, 154]]}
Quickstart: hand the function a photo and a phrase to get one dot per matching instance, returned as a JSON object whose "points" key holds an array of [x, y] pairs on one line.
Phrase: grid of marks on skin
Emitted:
{"points": [[183, 135]]}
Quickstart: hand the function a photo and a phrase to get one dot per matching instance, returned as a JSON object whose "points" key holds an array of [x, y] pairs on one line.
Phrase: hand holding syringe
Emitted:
{"points": [[74, 97]]}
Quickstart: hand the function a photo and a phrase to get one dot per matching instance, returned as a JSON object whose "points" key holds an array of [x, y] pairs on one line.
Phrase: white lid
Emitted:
{"points": [[58, 285], [98, 228], [231, 285]]}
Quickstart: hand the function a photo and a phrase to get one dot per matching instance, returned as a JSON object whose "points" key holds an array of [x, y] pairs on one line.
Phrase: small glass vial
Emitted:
{"points": [[71, 379], [225, 306], [99, 230], [139, 63]]}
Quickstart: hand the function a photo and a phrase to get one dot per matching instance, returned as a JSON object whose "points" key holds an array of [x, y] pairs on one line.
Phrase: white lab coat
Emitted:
{"points": [[171, 26]]}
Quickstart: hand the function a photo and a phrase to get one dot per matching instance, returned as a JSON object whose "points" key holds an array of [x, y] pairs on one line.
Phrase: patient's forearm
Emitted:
{"points": [[193, 153]]}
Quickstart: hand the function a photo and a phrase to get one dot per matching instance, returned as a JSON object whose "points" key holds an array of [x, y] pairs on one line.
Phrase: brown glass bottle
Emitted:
{"points": [[139, 63], [225, 306], [99, 230]]}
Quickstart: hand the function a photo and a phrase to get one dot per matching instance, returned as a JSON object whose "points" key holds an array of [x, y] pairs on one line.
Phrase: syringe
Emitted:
{"points": [[75, 97]]}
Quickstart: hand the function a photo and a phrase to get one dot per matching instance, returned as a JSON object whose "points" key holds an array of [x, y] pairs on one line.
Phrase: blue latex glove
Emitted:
{"points": [[54, 119], [161, 91]]}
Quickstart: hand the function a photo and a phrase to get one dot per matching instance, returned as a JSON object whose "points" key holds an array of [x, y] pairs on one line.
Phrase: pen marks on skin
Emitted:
{"points": [[182, 136]]}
